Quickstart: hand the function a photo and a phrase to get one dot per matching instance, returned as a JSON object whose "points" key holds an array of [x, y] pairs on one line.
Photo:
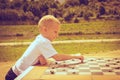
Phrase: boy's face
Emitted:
{"points": [[52, 31]]}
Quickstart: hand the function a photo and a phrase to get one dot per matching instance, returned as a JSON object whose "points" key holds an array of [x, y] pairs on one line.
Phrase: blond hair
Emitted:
{"points": [[46, 20]]}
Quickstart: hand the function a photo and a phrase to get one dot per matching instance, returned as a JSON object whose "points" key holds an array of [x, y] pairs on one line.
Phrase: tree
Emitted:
{"points": [[72, 3], [4, 1], [4, 4], [68, 17], [102, 0], [25, 6], [35, 10], [102, 10], [16, 4], [8, 15], [44, 8], [56, 13], [86, 16], [85, 2], [54, 5], [76, 20], [29, 15]]}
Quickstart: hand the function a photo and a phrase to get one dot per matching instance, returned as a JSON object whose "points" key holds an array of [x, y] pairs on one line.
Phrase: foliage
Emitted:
{"points": [[8, 15], [101, 10], [82, 30], [70, 11]]}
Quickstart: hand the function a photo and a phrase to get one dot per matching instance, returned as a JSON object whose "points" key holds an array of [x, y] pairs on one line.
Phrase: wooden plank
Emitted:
{"points": [[35, 73], [24, 73], [105, 77], [66, 77]]}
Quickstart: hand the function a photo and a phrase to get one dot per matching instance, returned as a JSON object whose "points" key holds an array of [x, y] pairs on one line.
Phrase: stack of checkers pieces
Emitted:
{"points": [[90, 66]]}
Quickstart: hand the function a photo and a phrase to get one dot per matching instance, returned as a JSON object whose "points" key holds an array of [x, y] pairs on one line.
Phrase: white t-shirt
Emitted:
{"points": [[40, 46]]}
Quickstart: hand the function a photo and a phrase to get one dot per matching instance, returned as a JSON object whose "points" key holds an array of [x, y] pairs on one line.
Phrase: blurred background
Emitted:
{"points": [[81, 20], [67, 11]]}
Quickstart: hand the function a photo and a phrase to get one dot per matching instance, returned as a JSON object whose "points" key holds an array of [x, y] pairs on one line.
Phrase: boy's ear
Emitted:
{"points": [[45, 29]]}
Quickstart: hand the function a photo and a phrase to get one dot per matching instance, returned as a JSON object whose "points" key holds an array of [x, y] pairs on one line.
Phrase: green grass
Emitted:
{"points": [[84, 37], [89, 29], [86, 27], [12, 53], [86, 48], [93, 27]]}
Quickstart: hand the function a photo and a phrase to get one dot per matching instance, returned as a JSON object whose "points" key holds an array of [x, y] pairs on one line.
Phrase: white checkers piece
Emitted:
{"points": [[73, 71], [50, 71], [65, 63]]}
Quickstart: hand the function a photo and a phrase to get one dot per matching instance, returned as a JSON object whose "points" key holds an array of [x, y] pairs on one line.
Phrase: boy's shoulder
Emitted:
{"points": [[42, 39]]}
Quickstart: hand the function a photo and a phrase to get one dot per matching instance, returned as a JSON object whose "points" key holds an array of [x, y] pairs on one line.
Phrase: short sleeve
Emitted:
{"points": [[47, 50]]}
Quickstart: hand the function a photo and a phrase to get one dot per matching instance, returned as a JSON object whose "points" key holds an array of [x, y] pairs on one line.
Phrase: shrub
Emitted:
{"points": [[8, 15], [18, 34], [76, 20], [102, 10]]}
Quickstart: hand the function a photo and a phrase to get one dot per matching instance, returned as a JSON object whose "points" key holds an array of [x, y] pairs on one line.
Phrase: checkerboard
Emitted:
{"points": [[90, 66]]}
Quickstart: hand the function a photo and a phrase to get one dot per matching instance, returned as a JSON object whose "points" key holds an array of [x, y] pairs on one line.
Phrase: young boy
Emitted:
{"points": [[41, 48]]}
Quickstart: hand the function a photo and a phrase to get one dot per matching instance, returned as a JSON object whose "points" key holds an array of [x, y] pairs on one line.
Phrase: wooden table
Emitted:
{"points": [[37, 73]]}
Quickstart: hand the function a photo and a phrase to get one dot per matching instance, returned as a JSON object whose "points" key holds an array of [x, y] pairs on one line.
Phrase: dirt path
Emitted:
{"points": [[60, 42]]}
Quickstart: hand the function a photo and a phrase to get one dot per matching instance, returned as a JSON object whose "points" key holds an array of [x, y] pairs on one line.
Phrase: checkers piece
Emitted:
{"points": [[107, 65], [117, 68]]}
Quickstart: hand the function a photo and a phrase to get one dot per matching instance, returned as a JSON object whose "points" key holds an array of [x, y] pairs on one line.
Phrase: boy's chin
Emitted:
{"points": [[53, 39]]}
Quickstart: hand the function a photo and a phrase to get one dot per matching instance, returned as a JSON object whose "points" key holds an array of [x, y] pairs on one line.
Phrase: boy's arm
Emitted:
{"points": [[42, 60], [60, 57]]}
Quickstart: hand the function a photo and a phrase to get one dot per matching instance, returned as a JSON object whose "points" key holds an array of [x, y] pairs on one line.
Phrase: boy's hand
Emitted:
{"points": [[42, 60], [60, 57], [80, 57]]}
